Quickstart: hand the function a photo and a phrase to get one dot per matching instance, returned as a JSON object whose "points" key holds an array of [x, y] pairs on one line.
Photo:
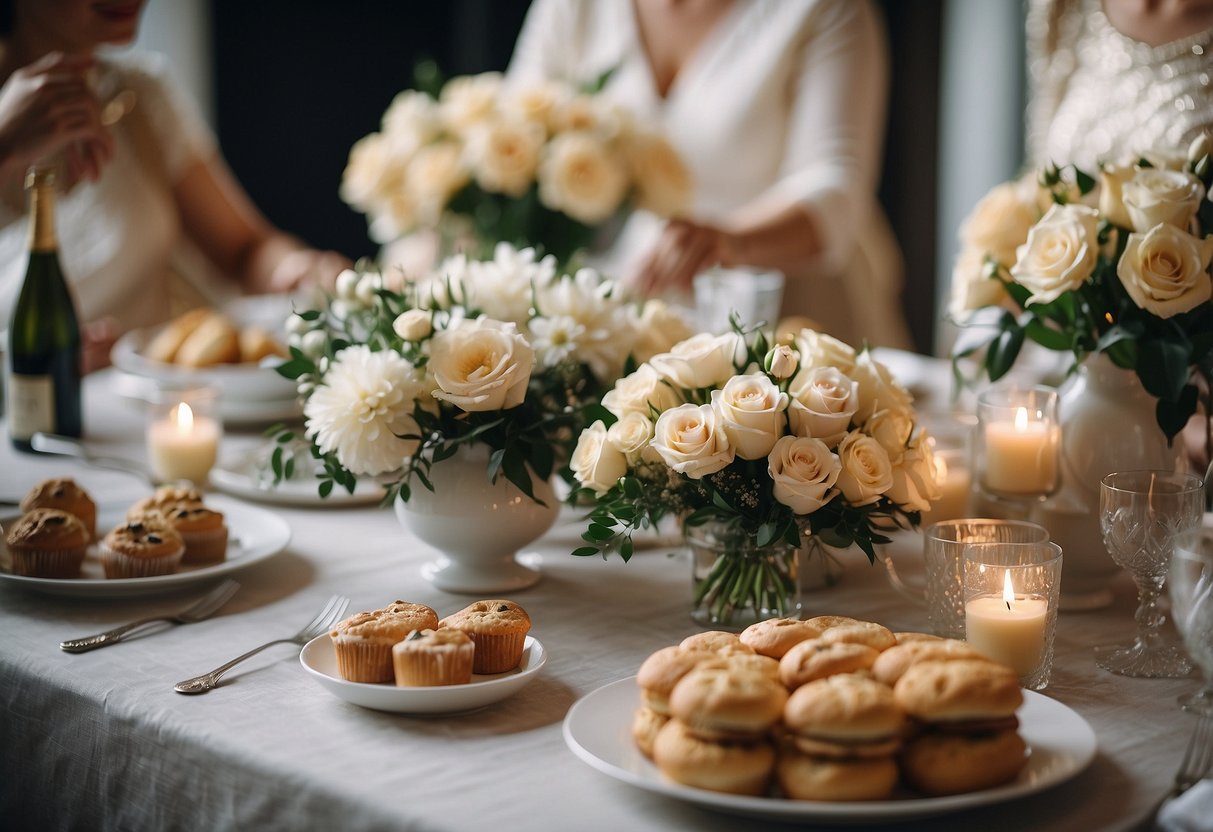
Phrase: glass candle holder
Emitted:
{"points": [[1017, 443], [183, 434], [1011, 592]]}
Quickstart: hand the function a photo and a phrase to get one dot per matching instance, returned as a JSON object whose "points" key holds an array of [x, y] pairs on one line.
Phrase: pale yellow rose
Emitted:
{"points": [[596, 462], [659, 327], [413, 325], [914, 486], [824, 400], [467, 100], [370, 162], [503, 154], [663, 181], [538, 102], [878, 388], [781, 361], [1060, 253], [803, 471], [1153, 196], [481, 365], [1112, 179], [1166, 270], [892, 428], [410, 122], [751, 411], [701, 361], [643, 391], [816, 349], [691, 441], [433, 176], [1000, 221], [631, 435], [587, 114], [972, 286], [866, 471], [580, 176]]}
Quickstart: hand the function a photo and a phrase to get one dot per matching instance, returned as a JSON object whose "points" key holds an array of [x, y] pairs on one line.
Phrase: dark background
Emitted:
{"points": [[297, 82]]}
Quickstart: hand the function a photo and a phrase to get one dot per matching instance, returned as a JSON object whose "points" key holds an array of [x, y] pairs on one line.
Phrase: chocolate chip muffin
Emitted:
{"points": [[142, 549], [363, 642], [499, 630], [47, 543], [64, 494]]}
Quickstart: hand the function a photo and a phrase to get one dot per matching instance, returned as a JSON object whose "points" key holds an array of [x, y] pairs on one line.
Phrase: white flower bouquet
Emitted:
{"points": [[1117, 264], [507, 353], [807, 439], [538, 165]]}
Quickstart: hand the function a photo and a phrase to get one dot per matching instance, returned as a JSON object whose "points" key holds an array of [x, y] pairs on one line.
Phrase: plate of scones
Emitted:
{"points": [[60, 542], [404, 658], [831, 719]]}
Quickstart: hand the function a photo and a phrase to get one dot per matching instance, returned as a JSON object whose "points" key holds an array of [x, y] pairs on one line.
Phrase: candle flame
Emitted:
{"points": [[1008, 592], [184, 417], [1021, 419]]}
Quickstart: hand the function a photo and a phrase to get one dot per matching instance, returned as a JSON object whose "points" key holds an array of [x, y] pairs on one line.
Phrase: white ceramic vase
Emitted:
{"points": [[477, 526], [1108, 424]]}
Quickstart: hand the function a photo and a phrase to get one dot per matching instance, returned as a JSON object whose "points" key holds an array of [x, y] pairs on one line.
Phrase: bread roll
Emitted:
{"points": [[776, 636], [895, 661], [661, 671], [725, 703], [816, 659], [164, 346], [844, 710], [213, 341], [861, 632], [732, 767], [939, 764], [256, 344], [951, 691]]}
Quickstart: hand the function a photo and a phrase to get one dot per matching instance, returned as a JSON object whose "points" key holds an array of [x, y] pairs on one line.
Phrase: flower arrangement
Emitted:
{"points": [[807, 439], [1117, 264], [508, 353], [537, 165]]}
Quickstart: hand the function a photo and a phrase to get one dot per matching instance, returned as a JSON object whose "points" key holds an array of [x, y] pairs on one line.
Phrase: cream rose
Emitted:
{"points": [[481, 365], [701, 361], [824, 400], [467, 100], [1060, 253], [817, 349], [410, 122], [866, 471], [596, 462], [781, 361], [751, 409], [972, 286], [537, 102], [690, 440], [413, 325], [663, 181], [892, 428], [914, 486], [1166, 270], [362, 180], [1112, 179], [503, 154], [658, 328], [580, 176], [804, 472], [631, 436], [878, 389], [433, 176], [1154, 196], [1000, 221], [643, 391]]}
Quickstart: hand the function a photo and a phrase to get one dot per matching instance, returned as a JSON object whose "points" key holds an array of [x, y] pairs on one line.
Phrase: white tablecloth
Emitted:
{"points": [[101, 741]]}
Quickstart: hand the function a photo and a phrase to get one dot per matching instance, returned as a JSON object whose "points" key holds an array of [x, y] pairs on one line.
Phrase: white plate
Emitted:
{"points": [[598, 730], [238, 477], [254, 534], [320, 661]]}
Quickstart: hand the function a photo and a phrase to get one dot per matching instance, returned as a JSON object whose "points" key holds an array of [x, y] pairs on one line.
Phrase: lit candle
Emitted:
{"points": [[954, 484], [1021, 456], [183, 446], [1008, 629]]}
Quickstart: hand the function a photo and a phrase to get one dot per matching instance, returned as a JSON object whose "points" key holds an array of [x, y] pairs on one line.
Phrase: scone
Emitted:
{"points": [[47, 543], [427, 658], [498, 628], [363, 642], [141, 549], [203, 530], [64, 494]]}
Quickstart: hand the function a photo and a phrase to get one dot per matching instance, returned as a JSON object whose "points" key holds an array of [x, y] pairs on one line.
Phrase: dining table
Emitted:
{"points": [[100, 740]]}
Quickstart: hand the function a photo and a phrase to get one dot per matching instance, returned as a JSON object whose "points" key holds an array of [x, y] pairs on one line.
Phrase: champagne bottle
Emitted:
{"points": [[44, 335]]}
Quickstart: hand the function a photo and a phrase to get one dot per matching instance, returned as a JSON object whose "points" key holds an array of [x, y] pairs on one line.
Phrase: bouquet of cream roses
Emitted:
{"points": [[770, 446], [483, 160], [506, 353], [1117, 264]]}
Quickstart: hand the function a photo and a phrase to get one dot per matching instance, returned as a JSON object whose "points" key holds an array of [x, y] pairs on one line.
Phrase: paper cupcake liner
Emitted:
{"points": [[427, 668], [47, 563], [359, 660], [204, 547], [119, 565], [497, 652]]}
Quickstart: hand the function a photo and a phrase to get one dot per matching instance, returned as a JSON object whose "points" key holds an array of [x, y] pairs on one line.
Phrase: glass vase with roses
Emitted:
{"points": [[753, 448]]}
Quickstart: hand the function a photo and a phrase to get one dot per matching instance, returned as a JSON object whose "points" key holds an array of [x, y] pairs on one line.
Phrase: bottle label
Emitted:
{"points": [[31, 405]]}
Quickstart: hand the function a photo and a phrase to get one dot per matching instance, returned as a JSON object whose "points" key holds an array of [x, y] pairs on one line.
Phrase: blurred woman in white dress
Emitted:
{"points": [[778, 108]]}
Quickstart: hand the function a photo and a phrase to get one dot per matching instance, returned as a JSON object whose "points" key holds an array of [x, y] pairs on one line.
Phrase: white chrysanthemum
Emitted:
{"points": [[555, 339], [603, 329], [502, 288], [362, 408]]}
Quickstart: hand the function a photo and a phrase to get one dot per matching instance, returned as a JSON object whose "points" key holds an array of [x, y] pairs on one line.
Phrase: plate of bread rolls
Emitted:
{"points": [[831, 720]]}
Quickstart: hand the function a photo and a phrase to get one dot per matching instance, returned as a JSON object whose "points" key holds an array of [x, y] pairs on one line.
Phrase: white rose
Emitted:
{"points": [[368, 288], [597, 463], [467, 100], [878, 389], [781, 361], [433, 176], [413, 325], [1112, 179], [1165, 158], [369, 161], [1200, 147], [314, 343], [914, 486], [1166, 270], [824, 400], [631, 435], [643, 391], [751, 411], [581, 177], [866, 471], [393, 216], [1153, 196], [659, 327], [1000, 221], [892, 428], [972, 286], [663, 181], [347, 284], [701, 361], [804, 472], [481, 365], [690, 440], [1060, 253], [410, 122], [817, 349]]}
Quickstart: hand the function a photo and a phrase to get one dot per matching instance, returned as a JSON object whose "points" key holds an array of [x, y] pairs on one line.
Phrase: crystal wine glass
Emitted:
{"points": [[1141, 515], [1191, 588]]}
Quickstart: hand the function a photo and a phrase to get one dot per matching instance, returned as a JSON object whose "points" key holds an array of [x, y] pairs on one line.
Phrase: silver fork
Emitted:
{"points": [[203, 608], [326, 618], [1198, 758]]}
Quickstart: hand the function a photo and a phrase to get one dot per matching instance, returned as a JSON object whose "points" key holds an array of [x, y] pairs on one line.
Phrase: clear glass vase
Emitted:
{"points": [[735, 582]]}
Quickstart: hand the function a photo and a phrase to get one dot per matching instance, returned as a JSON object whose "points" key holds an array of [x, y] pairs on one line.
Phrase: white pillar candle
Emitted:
{"points": [[1021, 456], [183, 446], [1010, 629]]}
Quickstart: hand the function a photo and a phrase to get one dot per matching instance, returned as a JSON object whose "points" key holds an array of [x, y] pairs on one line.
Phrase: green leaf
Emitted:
{"points": [[596, 532], [285, 436], [295, 367], [1085, 181], [326, 488], [1003, 351], [1047, 337], [288, 470], [584, 551], [1162, 367], [766, 534], [1173, 416], [625, 549], [276, 463]]}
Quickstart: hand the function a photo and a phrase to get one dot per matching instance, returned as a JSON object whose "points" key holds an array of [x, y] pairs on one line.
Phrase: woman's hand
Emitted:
{"points": [[683, 250], [97, 340], [48, 108], [307, 267]]}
